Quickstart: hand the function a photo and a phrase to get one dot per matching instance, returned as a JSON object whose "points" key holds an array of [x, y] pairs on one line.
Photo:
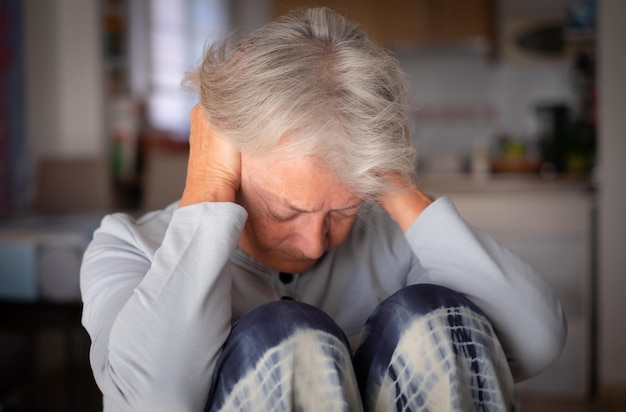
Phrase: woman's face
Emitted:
{"points": [[296, 211]]}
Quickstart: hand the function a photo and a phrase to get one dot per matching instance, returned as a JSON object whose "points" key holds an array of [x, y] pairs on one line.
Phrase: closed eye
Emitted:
{"points": [[343, 215], [282, 218]]}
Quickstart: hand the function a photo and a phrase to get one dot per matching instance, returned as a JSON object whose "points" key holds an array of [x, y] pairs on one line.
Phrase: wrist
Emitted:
{"points": [[405, 205], [206, 193]]}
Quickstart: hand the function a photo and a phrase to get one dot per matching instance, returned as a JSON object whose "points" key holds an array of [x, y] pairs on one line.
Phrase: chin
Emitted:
{"points": [[294, 267], [279, 260]]}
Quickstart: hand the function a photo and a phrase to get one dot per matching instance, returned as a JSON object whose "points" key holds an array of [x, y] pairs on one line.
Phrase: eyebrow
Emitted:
{"points": [[299, 210]]}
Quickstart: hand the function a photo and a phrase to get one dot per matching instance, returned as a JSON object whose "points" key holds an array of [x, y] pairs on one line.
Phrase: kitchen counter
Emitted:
{"points": [[444, 183]]}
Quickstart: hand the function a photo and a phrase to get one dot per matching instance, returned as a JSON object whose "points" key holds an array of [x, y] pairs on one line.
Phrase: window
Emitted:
{"points": [[167, 41]]}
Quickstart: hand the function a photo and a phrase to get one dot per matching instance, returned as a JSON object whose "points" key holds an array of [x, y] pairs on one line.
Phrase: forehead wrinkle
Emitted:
{"points": [[279, 199], [294, 207], [273, 190]]}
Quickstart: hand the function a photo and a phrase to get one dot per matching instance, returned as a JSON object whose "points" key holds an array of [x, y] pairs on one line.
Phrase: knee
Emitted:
{"points": [[414, 302], [422, 299], [269, 345]]}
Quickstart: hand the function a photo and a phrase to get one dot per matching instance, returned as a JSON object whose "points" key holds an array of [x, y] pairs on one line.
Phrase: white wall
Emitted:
{"points": [[468, 83], [40, 57], [65, 110], [612, 199]]}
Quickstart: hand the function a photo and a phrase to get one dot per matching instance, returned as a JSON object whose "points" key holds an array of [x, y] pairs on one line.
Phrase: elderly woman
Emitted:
{"points": [[302, 268]]}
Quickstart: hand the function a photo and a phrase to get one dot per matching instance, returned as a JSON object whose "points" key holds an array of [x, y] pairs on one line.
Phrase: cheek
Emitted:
{"points": [[339, 231], [269, 233]]}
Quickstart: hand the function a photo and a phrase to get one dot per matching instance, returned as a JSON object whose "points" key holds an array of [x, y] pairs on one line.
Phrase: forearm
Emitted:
{"points": [[158, 352], [404, 205], [518, 301]]}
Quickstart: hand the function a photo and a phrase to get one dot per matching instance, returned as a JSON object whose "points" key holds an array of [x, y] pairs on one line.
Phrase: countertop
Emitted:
{"points": [[443, 183]]}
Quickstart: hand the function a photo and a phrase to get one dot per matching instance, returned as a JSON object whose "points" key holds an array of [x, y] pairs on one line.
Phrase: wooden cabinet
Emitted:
{"points": [[365, 12], [439, 21], [412, 23]]}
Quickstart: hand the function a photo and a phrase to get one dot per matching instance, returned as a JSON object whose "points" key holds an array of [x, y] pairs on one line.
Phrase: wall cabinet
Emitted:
{"points": [[413, 23]]}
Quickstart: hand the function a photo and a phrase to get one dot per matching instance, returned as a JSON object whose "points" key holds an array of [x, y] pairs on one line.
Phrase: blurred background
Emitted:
{"points": [[518, 113]]}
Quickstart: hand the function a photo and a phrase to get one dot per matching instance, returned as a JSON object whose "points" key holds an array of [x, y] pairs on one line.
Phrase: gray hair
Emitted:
{"points": [[313, 82]]}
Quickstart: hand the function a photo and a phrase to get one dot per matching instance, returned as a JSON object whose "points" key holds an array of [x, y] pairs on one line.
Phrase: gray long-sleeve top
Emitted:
{"points": [[160, 293]]}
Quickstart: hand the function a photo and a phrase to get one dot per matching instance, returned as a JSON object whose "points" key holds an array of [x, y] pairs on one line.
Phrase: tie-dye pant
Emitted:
{"points": [[426, 348]]}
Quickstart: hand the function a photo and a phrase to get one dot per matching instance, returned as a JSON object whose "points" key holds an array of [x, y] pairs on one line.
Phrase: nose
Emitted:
{"points": [[314, 236]]}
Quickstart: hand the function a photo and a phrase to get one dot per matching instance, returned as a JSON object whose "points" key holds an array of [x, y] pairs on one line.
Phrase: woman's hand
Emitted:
{"points": [[214, 167], [405, 203]]}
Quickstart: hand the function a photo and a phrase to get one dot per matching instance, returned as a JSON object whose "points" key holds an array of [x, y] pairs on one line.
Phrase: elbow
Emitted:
{"points": [[558, 340], [119, 395], [545, 351]]}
